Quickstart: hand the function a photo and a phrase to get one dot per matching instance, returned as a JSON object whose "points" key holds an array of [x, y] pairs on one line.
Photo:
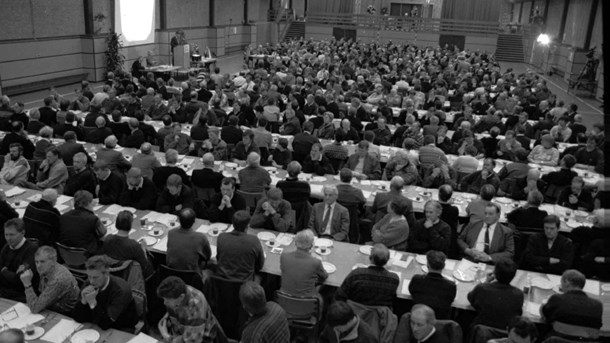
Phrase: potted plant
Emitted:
{"points": [[114, 58]]}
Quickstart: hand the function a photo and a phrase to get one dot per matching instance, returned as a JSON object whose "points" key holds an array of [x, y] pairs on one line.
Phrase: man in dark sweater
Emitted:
{"points": [[175, 196], [240, 255], [226, 203], [187, 249], [433, 289], [80, 227], [106, 300], [548, 251], [529, 216], [497, 302], [109, 185], [294, 191], [41, 219], [563, 176], [83, 177], [16, 256], [139, 192], [161, 174], [572, 314], [207, 178], [120, 247]]}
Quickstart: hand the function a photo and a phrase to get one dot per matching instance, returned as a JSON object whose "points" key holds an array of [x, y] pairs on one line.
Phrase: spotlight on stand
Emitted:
{"points": [[543, 39]]}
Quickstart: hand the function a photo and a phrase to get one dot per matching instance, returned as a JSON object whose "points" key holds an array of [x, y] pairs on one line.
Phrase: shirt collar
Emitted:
{"points": [[429, 335], [106, 285], [19, 245]]}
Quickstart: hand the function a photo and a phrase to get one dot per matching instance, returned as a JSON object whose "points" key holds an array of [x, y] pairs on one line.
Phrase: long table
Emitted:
{"points": [[51, 319], [344, 256]]}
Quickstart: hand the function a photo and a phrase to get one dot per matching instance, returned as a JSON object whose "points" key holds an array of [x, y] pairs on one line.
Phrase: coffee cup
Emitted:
{"points": [[323, 249], [143, 222], [272, 242], [30, 329], [157, 232], [215, 231], [17, 203]]}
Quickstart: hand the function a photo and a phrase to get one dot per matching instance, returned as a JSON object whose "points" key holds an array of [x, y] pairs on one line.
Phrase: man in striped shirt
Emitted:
{"points": [[430, 155]]}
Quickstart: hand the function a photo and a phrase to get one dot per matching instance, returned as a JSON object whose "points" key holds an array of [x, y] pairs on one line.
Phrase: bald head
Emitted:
{"points": [[110, 141], [304, 240], [397, 183], [207, 160], [50, 195], [134, 177], [100, 122], [146, 148], [254, 159]]}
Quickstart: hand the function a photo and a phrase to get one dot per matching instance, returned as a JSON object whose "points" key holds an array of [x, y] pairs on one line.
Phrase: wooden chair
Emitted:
{"points": [[251, 198], [303, 313]]}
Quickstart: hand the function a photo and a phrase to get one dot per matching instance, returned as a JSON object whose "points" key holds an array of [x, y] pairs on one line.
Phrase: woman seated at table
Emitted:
{"points": [[545, 153], [393, 229]]}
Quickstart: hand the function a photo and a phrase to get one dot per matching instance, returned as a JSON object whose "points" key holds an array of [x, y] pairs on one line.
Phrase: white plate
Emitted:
{"points": [[219, 226], [425, 194], [149, 240], [579, 213], [22, 204], [606, 287], [424, 269], [329, 267], [211, 233], [152, 232], [468, 277], [85, 336], [359, 265], [542, 283], [323, 242], [421, 259], [318, 179], [231, 165], [503, 200], [270, 169], [573, 223], [106, 222], [457, 201], [38, 332], [319, 251], [365, 249], [265, 236]]}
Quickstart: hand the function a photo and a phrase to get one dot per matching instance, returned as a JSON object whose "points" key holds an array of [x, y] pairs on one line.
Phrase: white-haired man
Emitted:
{"points": [[301, 272]]}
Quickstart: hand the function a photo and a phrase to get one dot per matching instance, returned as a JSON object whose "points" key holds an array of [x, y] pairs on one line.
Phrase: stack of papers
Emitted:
{"points": [[142, 338], [61, 331], [14, 191], [19, 316]]}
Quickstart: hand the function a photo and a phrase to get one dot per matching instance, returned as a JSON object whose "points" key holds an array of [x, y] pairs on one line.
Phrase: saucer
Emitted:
{"points": [[159, 233], [319, 251], [329, 267], [38, 332]]}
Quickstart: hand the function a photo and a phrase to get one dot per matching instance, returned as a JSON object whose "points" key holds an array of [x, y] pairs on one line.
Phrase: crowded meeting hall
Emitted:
{"points": [[279, 171]]}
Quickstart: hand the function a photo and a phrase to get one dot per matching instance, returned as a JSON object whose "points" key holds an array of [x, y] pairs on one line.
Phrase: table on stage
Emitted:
{"points": [[51, 319]]}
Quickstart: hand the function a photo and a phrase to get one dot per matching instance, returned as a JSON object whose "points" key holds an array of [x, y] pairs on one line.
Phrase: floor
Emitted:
{"points": [[590, 108]]}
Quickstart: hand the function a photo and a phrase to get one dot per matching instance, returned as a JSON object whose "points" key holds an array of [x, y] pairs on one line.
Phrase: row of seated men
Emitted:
{"points": [[107, 301]]}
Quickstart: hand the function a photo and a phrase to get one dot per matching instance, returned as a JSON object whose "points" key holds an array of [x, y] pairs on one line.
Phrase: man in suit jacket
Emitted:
{"points": [[161, 174], [100, 133], [113, 159], [433, 289], [548, 251], [329, 218], [487, 241], [69, 148], [363, 165], [207, 177]]}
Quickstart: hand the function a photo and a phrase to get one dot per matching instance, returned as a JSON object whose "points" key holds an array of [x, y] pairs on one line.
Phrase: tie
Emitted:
{"points": [[326, 218], [486, 249]]}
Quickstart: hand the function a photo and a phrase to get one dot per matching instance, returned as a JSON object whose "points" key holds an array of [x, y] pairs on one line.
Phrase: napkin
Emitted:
{"points": [[14, 191], [61, 331], [161, 245], [142, 338], [214, 251]]}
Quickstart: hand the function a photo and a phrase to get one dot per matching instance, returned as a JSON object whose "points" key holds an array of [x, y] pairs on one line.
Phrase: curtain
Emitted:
{"points": [[330, 6], [475, 10]]}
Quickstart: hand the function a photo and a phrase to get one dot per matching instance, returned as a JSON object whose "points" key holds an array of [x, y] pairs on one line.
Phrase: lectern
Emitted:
{"points": [[182, 56]]}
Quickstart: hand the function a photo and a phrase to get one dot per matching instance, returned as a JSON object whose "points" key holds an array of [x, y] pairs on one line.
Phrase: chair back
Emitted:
{"points": [[204, 194], [139, 298], [305, 309], [72, 257], [190, 277], [223, 296], [251, 198]]}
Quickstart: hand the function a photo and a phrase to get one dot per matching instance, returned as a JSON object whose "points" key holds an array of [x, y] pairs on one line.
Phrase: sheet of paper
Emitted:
{"points": [[61, 331], [63, 199], [284, 238], [61, 207], [402, 260], [188, 160], [161, 245], [97, 208], [592, 287], [115, 209], [203, 228], [365, 182], [532, 308], [142, 338], [14, 191], [405, 287], [450, 264], [555, 279]]}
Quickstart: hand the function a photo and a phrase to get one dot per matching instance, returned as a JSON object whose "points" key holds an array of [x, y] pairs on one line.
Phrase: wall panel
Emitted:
{"points": [[16, 20], [597, 36], [51, 22], [188, 13], [577, 22], [553, 20]]}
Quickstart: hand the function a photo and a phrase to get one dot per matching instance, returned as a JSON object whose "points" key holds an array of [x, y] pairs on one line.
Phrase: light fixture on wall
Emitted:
{"points": [[543, 39]]}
